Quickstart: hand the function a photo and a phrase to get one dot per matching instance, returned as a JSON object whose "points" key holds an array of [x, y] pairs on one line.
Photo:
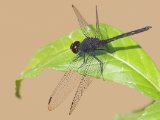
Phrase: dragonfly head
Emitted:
{"points": [[75, 46]]}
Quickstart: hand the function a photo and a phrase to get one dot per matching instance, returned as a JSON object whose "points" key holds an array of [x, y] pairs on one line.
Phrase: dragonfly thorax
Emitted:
{"points": [[90, 44]]}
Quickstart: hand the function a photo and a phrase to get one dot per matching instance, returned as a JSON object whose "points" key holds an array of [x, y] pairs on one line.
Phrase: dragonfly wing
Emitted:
{"points": [[98, 32], [65, 86], [84, 83], [87, 29]]}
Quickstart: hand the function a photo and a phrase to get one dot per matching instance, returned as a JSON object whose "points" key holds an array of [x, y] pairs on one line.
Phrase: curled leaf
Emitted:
{"points": [[125, 63]]}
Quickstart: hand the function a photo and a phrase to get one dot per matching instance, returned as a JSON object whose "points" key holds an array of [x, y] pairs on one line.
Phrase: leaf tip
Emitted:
{"points": [[17, 89]]}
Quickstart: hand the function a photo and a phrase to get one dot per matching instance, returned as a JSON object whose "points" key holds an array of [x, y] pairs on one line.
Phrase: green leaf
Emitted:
{"points": [[151, 112], [129, 116], [125, 63]]}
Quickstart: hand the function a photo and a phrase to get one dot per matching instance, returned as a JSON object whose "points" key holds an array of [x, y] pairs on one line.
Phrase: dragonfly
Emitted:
{"points": [[86, 51]]}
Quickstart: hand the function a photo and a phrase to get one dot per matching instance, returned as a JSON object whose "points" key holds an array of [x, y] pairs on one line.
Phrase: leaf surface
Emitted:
{"points": [[151, 112]]}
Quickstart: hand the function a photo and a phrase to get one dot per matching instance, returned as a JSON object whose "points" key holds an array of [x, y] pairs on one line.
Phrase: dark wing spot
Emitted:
{"points": [[49, 100]]}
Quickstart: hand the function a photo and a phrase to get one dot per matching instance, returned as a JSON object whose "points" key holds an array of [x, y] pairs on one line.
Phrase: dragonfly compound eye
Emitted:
{"points": [[75, 47]]}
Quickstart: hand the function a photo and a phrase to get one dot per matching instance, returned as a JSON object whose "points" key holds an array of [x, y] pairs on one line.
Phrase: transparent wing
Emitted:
{"points": [[98, 32], [84, 83], [64, 87], [87, 29]]}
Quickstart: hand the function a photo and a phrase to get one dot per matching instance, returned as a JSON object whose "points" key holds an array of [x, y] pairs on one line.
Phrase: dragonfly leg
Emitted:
{"points": [[100, 63], [84, 61]]}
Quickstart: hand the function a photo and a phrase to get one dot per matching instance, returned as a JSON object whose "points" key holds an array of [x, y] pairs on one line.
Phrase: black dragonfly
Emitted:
{"points": [[86, 51]]}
